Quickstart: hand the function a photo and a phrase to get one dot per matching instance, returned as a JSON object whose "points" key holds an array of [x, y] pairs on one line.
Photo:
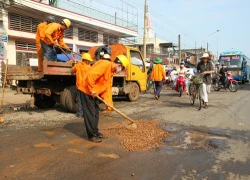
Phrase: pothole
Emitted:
{"points": [[194, 140]]}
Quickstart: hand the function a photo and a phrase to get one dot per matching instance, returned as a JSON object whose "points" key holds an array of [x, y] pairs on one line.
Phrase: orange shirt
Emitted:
{"points": [[40, 32], [80, 69], [158, 73], [53, 33], [99, 78]]}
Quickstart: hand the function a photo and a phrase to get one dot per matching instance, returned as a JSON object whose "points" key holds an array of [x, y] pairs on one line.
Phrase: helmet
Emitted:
{"points": [[50, 19], [182, 62], [66, 22], [123, 60], [86, 56]]}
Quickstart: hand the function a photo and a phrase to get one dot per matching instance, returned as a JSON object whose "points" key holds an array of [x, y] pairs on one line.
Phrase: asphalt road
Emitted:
{"points": [[212, 143]]}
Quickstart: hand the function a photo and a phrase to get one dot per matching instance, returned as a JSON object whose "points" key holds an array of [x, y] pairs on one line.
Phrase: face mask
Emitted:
{"points": [[118, 70]]}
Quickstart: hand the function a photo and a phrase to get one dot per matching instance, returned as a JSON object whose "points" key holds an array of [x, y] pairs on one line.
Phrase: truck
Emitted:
{"points": [[56, 83]]}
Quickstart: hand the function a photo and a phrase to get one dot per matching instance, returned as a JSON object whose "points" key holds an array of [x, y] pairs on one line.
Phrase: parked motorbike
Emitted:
{"points": [[180, 85], [229, 83]]}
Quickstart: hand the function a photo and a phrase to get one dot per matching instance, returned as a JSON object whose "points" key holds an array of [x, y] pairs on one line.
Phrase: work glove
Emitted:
{"points": [[94, 94]]}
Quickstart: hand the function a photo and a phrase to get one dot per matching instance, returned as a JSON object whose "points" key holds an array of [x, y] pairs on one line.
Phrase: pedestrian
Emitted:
{"points": [[80, 69], [53, 35], [158, 75], [205, 67], [97, 83], [39, 34]]}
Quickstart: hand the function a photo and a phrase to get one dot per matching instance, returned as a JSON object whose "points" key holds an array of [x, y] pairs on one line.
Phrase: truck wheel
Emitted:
{"points": [[68, 99], [134, 92], [42, 101]]}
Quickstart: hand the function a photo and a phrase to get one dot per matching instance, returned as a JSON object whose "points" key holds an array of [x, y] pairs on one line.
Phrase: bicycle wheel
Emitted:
{"points": [[191, 90], [199, 98]]}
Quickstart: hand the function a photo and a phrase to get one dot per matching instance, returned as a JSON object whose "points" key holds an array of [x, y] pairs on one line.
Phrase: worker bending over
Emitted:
{"points": [[53, 36], [98, 80], [39, 34], [81, 69]]}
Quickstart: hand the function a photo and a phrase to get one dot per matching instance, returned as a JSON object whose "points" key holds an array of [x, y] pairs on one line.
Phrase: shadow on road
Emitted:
{"points": [[77, 128]]}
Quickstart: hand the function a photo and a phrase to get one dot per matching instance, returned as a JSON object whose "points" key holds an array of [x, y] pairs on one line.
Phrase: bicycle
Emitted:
{"points": [[194, 90]]}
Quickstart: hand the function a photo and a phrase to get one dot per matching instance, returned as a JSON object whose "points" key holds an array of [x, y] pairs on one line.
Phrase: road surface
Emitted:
{"points": [[212, 143]]}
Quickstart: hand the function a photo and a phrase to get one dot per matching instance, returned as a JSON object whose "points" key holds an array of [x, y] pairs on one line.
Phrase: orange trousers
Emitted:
{"points": [[39, 56]]}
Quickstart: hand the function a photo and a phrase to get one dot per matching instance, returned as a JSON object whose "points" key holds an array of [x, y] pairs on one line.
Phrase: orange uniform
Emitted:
{"points": [[54, 33], [158, 73], [99, 79], [39, 34], [80, 69]]}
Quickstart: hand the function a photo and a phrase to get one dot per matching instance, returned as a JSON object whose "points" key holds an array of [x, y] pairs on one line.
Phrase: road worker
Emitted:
{"points": [[53, 36], [98, 80], [108, 96], [158, 75], [39, 34], [80, 69]]}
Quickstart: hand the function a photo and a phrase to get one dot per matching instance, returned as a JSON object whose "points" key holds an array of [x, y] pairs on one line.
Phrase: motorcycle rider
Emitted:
{"points": [[182, 71], [222, 75]]}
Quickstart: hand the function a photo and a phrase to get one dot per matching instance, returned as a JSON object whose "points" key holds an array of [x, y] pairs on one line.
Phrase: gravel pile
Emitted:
{"points": [[147, 136]]}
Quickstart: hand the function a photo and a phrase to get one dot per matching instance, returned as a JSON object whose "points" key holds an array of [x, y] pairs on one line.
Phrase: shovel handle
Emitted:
{"points": [[63, 51], [68, 50], [119, 112]]}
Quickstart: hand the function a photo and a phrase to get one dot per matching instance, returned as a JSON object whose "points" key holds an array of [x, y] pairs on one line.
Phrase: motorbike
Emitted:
{"points": [[180, 85], [229, 83]]}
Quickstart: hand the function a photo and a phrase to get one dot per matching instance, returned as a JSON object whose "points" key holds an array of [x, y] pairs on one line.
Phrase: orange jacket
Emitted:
{"points": [[52, 32], [80, 69], [158, 73], [40, 32], [99, 78]]}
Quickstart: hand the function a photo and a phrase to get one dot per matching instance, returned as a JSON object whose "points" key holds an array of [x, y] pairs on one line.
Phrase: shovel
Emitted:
{"points": [[133, 125]]}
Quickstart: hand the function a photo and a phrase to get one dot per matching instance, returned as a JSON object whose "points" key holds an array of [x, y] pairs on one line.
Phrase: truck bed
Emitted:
{"points": [[16, 72]]}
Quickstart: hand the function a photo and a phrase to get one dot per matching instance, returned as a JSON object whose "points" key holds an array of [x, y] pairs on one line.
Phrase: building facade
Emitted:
{"points": [[19, 20]]}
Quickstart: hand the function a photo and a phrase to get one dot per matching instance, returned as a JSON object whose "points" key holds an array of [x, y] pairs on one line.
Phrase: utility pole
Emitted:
{"points": [[145, 31], [207, 46], [179, 47]]}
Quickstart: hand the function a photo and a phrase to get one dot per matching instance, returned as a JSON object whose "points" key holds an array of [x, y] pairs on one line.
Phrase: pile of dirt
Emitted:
{"points": [[145, 137]]}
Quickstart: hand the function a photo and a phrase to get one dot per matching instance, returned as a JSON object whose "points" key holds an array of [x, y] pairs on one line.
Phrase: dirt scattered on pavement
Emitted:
{"points": [[147, 136], [113, 156], [75, 151], [45, 145], [49, 133]]}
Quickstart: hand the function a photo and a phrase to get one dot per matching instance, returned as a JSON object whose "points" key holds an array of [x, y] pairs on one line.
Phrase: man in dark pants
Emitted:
{"points": [[158, 75], [222, 73], [97, 83]]}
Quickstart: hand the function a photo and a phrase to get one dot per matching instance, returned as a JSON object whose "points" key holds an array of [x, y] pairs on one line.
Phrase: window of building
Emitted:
{"points": [[110, 39], [87, 35], [23, 23], [21, 57], [29, 46], [68, 33]]}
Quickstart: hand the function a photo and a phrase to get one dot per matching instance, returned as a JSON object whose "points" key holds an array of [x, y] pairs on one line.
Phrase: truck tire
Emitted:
{"points": [[134, 92], [42, 101], [68, 99]]}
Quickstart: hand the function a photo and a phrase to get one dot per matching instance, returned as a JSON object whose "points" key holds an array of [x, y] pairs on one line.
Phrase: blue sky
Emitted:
{"points": [[193, 19]]}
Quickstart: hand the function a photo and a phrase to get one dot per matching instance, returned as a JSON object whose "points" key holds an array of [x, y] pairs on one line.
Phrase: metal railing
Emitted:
{"points": [[93, 13]]}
